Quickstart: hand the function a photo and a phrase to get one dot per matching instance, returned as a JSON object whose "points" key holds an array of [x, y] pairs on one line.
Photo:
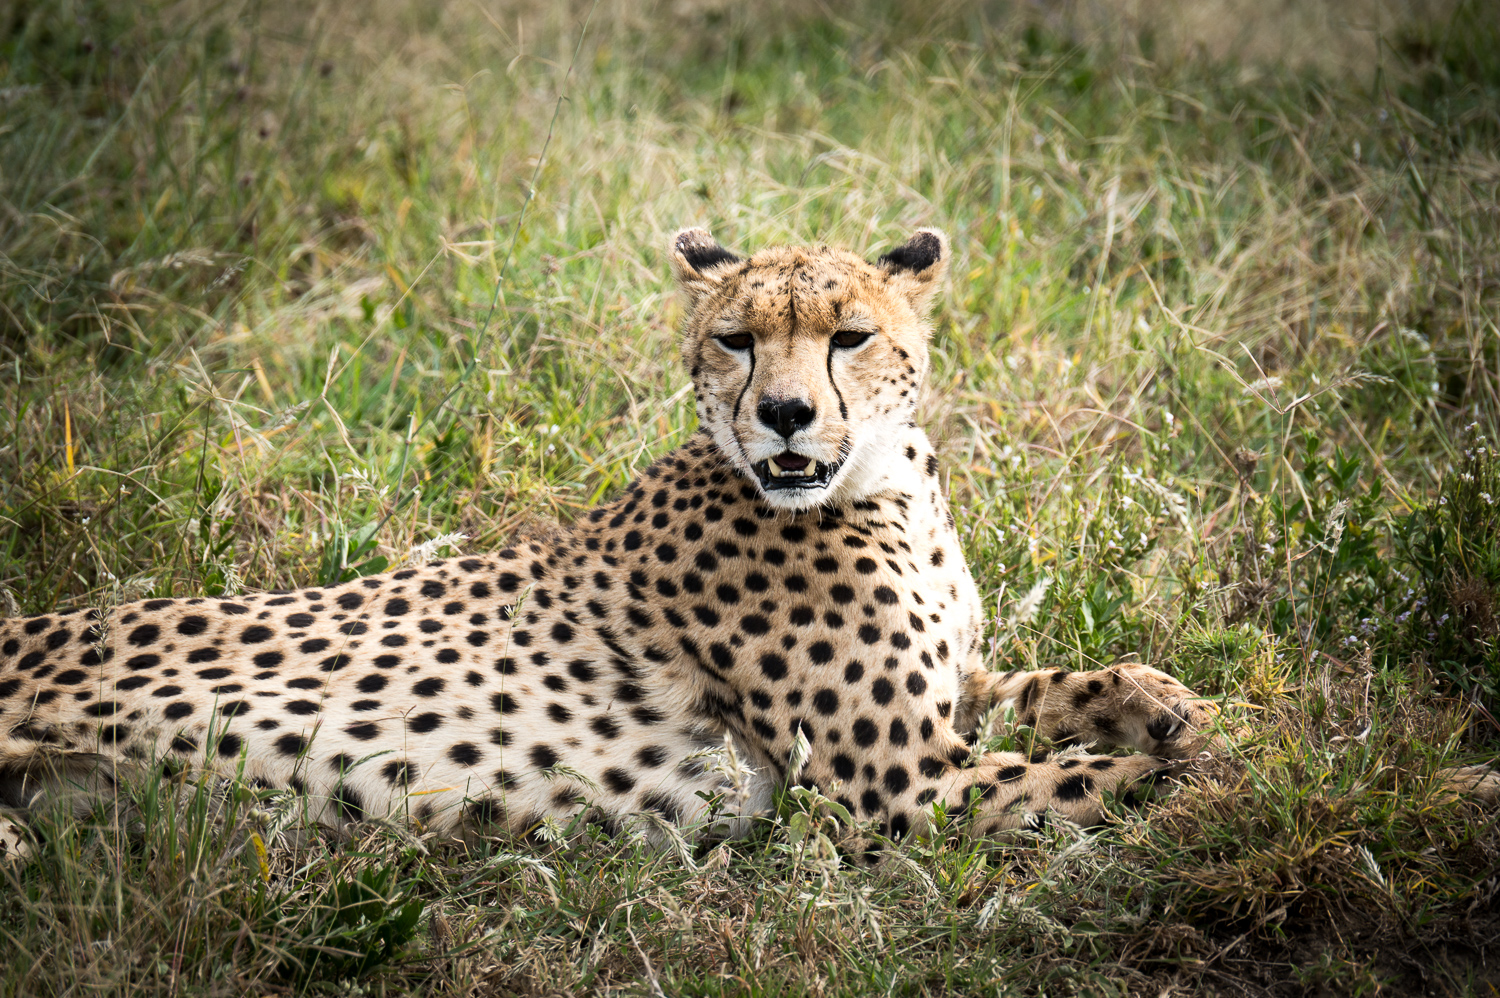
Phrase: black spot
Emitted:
{"points": [[465, 754], [302, 707], [618, 780], [605, 727], [350, 601], [932, 767], [896, 780], [177, 710], [268, 659], [229, 745], [235, 708], [144, 635], [372, 683], [558, 713], [430, 687], [898, 733], [1075, 787], [291, 745], [396, 607], [542, 756], [773, 666], [351, 804], [825, 702], [882, 691], [397, 773], [504, 703], [192, 625], [424, 723], [363, 732], [256, 634], [865, 732]]}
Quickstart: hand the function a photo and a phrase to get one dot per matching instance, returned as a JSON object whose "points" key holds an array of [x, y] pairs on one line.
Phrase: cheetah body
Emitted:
{"points": [[792, 573]]}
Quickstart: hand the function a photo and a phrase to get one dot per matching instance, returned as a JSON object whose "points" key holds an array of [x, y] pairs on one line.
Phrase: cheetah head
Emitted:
{"points": [[808, 362]]}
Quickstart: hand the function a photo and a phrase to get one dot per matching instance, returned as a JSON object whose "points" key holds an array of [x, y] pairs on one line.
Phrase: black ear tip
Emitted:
{"points": [[700, 250], [916, 254]]}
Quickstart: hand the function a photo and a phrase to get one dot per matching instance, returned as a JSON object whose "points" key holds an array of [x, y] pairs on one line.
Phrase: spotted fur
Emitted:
{"points": [[604, 668]]}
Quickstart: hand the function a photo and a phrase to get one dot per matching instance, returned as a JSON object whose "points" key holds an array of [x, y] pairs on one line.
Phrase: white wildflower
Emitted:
{"points": [[1263, 385], [421, 554], [1027, 608]]}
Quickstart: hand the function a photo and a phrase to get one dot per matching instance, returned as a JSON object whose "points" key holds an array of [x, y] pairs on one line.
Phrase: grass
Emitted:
{"points": [[1216, 379]]}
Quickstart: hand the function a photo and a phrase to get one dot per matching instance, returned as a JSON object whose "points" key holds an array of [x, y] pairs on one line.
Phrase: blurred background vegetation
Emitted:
{"points": [[1217, 371]]}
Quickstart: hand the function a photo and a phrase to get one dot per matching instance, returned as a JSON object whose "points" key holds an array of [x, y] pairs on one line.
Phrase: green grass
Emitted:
{"points": [[1221, 341]]}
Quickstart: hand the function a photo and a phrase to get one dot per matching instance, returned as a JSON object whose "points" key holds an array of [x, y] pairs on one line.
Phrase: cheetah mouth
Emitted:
{"points": [[793, 471]]}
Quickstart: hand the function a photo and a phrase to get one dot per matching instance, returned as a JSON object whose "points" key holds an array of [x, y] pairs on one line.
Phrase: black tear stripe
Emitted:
{"points": [[735, 416], [843, 409]]}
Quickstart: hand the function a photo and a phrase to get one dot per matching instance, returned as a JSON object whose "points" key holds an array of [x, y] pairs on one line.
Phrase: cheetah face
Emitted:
{"points": [[808, 362]]}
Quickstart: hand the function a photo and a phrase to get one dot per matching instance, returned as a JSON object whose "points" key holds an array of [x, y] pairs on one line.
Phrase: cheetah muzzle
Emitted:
{"points": [[791, 573]]}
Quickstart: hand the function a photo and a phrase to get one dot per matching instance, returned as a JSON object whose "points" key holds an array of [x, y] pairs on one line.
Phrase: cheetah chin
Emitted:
{"points": [[788, 586]]}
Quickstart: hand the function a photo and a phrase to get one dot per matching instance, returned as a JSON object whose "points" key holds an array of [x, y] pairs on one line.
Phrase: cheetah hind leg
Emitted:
{"points": [[1128, 705], [1006, 791]]}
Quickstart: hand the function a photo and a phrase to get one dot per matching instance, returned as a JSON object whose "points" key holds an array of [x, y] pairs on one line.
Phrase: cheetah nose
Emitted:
{"points": [[785, 416]]}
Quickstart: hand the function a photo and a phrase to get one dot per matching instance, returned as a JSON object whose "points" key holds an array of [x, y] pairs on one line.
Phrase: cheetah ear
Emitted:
{"points": [[698, 263], [916, 267]]}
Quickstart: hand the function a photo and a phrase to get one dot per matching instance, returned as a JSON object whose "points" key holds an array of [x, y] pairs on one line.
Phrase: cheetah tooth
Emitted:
{"points": [[777, 471]]}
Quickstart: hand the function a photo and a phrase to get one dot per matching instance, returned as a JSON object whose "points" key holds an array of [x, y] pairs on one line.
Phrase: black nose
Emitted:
{"points": [[785, 416]]}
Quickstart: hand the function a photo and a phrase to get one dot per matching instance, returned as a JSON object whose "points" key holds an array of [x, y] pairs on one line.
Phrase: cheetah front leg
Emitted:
{"points": [[1128, 705]]}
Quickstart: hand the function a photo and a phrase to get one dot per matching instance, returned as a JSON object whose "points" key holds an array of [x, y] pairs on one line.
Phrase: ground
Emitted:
{"points": [[1213, 384]]}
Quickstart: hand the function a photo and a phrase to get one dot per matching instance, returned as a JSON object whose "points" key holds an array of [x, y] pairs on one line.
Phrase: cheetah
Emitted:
{"points": [[789, 582]]}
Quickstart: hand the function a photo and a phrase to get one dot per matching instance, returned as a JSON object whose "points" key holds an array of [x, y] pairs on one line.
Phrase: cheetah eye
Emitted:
{"points": [[848, 339], [736, 341]]}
